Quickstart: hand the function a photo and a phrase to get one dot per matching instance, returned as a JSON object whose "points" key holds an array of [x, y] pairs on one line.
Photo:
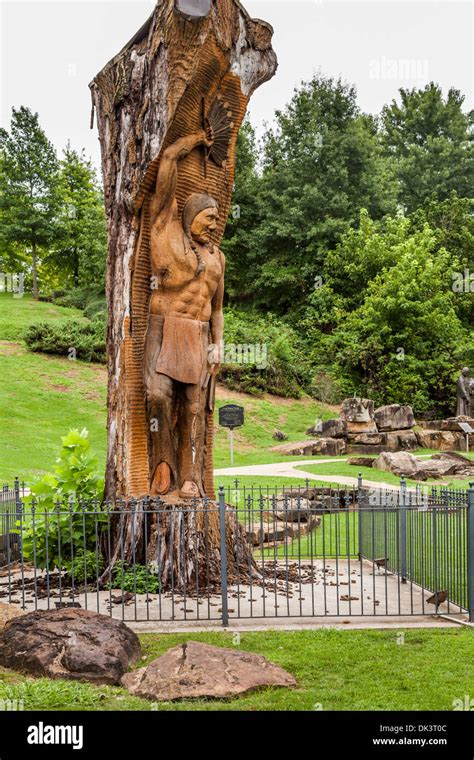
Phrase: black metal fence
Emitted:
{"points": [[10, 509], [300, 552]]}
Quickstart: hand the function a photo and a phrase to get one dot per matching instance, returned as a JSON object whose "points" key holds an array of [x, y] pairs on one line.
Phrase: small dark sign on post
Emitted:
{"points": [[231, 416], [467, 430]]}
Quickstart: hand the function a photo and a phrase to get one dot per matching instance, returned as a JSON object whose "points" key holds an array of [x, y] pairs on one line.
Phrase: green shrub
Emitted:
{"points": [[77, 298], [262, 354], [87, 340], [138, 579], [52, 535], [96, 310], [85, 567]]}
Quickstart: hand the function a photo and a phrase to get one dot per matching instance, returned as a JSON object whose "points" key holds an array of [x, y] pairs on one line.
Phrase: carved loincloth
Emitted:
{"points": [[179, 347]]}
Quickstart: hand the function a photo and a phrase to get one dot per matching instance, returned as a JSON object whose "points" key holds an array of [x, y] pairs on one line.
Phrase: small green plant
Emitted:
{"points": [[63, 517], [138, 579], [85, 567]]}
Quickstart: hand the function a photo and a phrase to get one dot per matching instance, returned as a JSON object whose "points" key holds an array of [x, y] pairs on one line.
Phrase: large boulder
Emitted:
{"points": [[315, 429], [366, 450], [357, 410], [358, 414], [367, 439], [463, 467], [328, 446], [291, 509], [442, 440], [360, 461], [403, 463], [69, 643], [331, 447], [452, 423], [401, 440], [436, 468], [296, 448], [201, 671], [8, 612], [398, 463], [334, 429], [394, 417], [456, 456]]}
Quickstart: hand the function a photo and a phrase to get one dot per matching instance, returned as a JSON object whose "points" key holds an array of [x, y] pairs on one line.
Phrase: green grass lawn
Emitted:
{"points": [[335, 670], [17, 313], [41, 398]]}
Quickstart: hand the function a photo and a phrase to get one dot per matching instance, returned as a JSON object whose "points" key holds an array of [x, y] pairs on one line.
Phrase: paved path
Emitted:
{"points": [[288, 470]]}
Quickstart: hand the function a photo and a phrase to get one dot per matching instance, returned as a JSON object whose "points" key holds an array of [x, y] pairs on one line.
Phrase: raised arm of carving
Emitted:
{"points": [[167, 178]]}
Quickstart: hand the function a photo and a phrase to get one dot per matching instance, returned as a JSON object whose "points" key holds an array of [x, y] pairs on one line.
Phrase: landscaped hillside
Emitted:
{"points": [[42, 397]]}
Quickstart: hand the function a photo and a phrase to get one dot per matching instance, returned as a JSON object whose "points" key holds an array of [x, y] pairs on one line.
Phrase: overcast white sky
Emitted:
{"points": [[50, 51]]}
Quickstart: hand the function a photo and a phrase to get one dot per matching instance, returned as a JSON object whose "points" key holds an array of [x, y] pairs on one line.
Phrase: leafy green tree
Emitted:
{"points": [[239, 241], [29, 197], [80, 250], [405, 342], [452, 222], [363, 252], [321, 165], [430, 140]]}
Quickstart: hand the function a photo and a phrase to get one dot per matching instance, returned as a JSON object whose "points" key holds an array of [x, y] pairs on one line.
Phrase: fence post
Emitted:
{"points": [[403, 529], [470, 551], [359, 516], [18, 511], [222, 515]]}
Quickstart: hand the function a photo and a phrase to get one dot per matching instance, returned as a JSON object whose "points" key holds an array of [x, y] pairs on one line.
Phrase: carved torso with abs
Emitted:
{"points": [[176, 291]]}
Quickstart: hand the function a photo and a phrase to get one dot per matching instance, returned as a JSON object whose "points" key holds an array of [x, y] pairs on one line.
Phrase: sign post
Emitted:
{"points": [[231, 416], [467, 430]]}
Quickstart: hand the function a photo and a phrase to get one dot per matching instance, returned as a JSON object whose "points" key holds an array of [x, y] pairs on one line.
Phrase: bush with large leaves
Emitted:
{"points": [[63, 519]]}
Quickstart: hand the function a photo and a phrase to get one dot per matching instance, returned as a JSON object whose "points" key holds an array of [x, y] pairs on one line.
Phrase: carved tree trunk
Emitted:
{"points": [[153, 92], [149, 95]]}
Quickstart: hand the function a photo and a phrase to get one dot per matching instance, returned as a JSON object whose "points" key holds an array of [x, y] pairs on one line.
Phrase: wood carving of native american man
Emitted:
{"points": [[185, 328]]}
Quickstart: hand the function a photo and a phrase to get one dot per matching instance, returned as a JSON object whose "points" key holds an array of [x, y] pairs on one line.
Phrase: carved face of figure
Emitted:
{"points": [[465, 372], [204, 224]]}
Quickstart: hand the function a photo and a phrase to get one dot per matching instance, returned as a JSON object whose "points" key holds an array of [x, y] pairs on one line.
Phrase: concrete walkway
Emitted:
{"points": [[288, 470]]}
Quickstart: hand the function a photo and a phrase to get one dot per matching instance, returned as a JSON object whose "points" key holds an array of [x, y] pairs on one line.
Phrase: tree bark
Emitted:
{"points": [[35, 272]]}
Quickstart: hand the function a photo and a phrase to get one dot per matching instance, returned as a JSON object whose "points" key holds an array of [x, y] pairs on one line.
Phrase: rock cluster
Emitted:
{"points": [[81, 645], [288, 519], [444, 435], [440, 466], [362, 429]]}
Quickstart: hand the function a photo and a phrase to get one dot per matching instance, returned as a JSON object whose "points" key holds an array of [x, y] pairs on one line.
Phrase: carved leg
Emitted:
{"points": [[160, 395], [192, 436]]}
